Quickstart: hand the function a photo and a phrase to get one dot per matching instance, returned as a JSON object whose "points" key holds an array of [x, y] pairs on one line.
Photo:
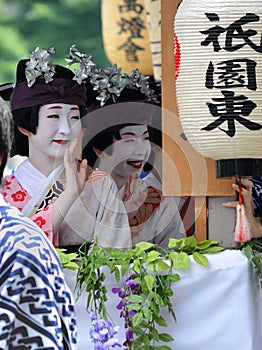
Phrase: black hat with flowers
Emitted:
{"points": [[115, 98], [40, 82]]}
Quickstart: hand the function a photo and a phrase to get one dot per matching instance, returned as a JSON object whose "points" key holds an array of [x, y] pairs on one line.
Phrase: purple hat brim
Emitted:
{"points": [[57, 91]]}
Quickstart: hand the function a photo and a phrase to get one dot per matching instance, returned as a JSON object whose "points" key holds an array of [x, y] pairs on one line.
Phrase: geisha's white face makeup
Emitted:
{"points": [[58, 125], [129, 154]]}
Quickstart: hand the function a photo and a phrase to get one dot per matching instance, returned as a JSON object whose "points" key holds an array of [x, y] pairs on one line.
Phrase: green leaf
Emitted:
{"points": [[174, 277], [143, 246], [67, 259], [157, 299], [137, 319], [158, 265], [135, 298], [152, 256], [169, 292], [200, 259], [115, 253], [143, 324], [137, 266], [248, 251], [149, 279], [71, 265], [153, 305], [189, 242], [173, 242], [180, 260], [117, 275], [124, 268], [139, 341], [154, 333], [142, 339], [147, 314], [211, 250], [136, 307], [160, 320], [205, 244], [138, 330], [165, 337]]}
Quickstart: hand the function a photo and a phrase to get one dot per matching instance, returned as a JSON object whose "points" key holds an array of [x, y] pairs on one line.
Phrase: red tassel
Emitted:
{"points": [[242, 230]]}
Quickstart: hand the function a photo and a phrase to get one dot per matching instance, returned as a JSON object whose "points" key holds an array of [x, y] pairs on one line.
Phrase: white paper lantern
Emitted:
{"points": [[218, 51]]}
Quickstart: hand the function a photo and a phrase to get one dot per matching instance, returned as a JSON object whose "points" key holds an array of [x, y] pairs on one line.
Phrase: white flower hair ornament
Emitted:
{"points": [[111, 81], [39, 65], [107, 82], [40, 81], [87, 66]]}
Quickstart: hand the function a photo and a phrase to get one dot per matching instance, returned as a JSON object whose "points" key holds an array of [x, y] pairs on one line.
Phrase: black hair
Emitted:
{"points": [[142, 114], [6, 134]]}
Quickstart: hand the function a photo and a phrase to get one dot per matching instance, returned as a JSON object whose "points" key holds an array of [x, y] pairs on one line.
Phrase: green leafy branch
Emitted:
{"points": [[153, 271], [68, 260], [253, 251]]}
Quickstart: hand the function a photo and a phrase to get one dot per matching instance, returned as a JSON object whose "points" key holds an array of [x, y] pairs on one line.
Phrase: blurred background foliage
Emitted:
{"points": [[25, 25]]}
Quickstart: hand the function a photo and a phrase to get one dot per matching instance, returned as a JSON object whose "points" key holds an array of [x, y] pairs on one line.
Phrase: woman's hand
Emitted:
{"points": [[246, 186], [134, 194], [255, 222], [75, 182], [75, 169]]}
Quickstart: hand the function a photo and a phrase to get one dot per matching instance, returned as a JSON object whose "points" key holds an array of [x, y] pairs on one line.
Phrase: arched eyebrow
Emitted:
{"points": [[132, 133], [60, 107], [128, 133]]}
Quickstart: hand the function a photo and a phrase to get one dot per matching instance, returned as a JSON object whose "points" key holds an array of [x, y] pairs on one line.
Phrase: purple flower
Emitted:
{"points": [[120, 305], [132, 313], [129, 338], [134, 285], [119, 291], [131, 287], [102, 333]]}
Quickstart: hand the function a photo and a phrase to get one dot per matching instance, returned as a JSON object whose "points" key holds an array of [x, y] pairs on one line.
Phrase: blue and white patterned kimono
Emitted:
{"points": [[257, 195], [36, 306]]}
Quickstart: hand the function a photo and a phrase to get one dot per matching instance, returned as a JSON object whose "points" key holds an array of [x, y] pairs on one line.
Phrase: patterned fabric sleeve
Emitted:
{"points": [[257, 195], [36, 306], [43, 219], [16, 195]]}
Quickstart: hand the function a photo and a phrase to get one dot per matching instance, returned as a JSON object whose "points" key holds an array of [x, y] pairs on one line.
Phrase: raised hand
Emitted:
{"points": [[134, 194], [75, 169], [75, 182], [255, 222]]}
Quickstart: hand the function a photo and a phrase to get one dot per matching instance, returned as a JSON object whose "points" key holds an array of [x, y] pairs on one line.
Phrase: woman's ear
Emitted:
{"points": [[97, 151], [24, 131]]}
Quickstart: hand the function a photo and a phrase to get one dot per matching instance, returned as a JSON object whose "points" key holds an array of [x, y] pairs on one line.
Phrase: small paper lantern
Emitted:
{"points": [[218, 59], [126, 35]]}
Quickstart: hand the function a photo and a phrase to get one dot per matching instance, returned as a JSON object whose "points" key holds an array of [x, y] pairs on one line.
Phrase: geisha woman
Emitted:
{"points": [[118, 142], [48, 102]]}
